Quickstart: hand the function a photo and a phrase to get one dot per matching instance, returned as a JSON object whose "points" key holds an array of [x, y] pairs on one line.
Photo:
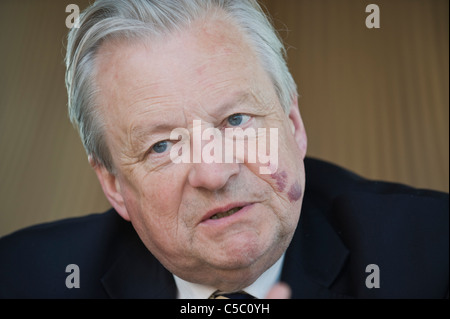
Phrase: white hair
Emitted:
{"points": [[135, 19]]}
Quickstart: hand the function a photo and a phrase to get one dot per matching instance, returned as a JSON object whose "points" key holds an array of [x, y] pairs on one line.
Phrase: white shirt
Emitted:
{"points": [[259, 289]]}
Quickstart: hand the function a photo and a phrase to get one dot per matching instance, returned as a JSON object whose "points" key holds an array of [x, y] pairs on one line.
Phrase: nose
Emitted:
{"points": [[212, 176]]}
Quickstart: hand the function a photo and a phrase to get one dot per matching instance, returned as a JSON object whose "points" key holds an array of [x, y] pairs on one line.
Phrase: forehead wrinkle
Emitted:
{"points": [[144, 91], [263, 99], [160, 121], [139, 134], [248, 98], [221, 108]]}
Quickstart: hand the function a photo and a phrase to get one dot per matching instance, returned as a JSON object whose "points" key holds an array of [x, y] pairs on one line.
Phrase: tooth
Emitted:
{"points": [[227, 213]]}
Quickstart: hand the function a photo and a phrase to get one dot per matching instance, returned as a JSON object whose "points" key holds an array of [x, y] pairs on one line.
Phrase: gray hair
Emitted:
{"points": [[135, 19]]}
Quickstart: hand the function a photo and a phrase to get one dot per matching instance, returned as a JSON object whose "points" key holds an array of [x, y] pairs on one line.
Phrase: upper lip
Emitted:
{"points": [[222, 209]]}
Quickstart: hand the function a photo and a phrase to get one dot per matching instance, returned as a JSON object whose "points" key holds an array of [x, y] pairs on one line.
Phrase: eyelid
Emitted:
{"points": [[150, 150]]}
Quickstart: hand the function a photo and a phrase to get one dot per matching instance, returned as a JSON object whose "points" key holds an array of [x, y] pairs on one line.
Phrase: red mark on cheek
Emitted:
{"points": [[295, 192], [281, 179]]}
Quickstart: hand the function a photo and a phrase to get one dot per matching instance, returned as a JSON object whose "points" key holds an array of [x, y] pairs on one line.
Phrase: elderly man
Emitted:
{"points": [[145, 80]]}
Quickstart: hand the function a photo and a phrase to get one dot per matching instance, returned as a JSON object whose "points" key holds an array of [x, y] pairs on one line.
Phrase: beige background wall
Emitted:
{"points": [[373, 100]]}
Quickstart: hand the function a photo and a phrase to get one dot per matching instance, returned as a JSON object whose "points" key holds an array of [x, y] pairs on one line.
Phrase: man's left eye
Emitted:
{"points": [[238, 119]]}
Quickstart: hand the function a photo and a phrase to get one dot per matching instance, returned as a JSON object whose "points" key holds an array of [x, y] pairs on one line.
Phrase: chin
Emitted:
{"points": [[241, 254]]}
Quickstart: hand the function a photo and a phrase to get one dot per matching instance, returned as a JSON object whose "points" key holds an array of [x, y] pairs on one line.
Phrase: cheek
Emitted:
{"points": [[289, 185], [285, 175], [290, 176], [281, 179], [153, 207], [295, 192], [146, 195], [154, 215], [287, 182]]}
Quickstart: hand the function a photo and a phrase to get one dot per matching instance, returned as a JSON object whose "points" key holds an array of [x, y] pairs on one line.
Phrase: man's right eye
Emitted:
{"points": [[160, 147]]}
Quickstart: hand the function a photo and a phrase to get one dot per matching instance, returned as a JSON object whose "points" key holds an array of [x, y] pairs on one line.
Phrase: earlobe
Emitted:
{"points": [[297, 127], [111, 188]]}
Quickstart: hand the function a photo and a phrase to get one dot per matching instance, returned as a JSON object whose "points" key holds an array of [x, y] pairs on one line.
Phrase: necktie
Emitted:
{"points": [[234, 295]]}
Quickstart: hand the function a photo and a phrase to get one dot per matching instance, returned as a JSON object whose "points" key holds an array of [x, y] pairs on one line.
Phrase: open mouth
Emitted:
{"points": [[226, 214]]}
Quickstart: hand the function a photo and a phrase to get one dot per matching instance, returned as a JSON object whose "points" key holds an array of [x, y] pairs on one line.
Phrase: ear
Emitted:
{"points": [[297, 127], [111, 188]]}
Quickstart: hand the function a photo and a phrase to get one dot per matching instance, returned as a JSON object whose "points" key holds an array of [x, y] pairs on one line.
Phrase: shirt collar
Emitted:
{"points": [[259, 289]]}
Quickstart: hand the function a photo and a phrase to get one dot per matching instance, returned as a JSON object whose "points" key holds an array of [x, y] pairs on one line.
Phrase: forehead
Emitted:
{"points": [[193, 69]]}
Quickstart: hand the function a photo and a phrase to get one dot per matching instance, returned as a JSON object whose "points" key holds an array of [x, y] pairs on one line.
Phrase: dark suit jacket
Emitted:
{"points": [[346, 223]]}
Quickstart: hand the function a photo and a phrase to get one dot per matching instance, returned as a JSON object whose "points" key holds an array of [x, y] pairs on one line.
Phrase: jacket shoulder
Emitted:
{"points": [[34, 259], [331, 180], [401, 229]]}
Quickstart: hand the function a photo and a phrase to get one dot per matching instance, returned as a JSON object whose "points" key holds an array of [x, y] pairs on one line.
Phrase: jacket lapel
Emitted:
{"points": [[136, 274], [315, 257]]}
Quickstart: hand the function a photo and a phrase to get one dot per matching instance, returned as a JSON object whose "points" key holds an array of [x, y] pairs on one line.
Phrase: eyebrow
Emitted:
{"points": [[242, 96], [138, 136]]}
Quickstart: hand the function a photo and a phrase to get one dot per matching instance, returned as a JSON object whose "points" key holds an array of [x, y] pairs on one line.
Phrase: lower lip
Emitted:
{"points": [[228, 219]]}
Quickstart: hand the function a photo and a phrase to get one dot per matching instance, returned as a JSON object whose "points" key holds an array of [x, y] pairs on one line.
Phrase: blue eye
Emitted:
{"points": [[160, 147], [238, 119]]}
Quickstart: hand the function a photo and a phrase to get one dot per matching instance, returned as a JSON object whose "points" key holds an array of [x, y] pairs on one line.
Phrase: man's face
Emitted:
{"points": [[206, 73]]}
